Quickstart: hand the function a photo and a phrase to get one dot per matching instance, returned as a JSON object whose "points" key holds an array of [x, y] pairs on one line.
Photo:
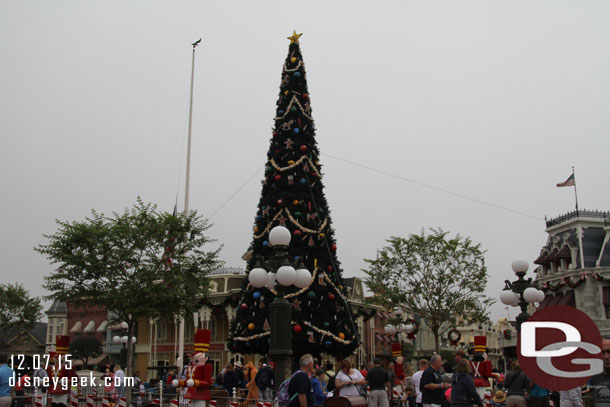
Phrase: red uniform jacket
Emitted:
{"points": [[481, 372], [59, 374], [202, 376]]}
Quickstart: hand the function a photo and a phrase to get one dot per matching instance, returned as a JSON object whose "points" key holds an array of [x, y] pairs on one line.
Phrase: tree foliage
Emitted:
{"points": [[139, 263], [85, 348], [434, 276], [17, 311]]}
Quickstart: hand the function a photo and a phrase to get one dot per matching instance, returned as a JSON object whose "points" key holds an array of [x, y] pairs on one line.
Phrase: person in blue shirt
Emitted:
{"points": [[6, 373], [319, 388]]}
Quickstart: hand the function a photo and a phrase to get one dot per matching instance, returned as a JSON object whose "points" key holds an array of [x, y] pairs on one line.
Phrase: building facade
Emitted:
{"points": [[574, 264]]}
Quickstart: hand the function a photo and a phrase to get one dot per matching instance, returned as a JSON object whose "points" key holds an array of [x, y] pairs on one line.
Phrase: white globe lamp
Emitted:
{"points": [[530, 294], [520, 265], [507, 297], [116, 339], [286, 275], [258, 277], [303, 278], [123, 339], [279, 236]]}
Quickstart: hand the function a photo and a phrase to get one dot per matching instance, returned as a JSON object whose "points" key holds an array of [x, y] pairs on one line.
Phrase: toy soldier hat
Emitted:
{"points": [[202, 340], [396, 349], [62, 343], [480, 343], [52, 355]]}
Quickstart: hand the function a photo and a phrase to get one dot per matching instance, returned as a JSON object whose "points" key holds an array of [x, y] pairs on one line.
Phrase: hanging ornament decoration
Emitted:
{"points": [[303, 147], [311, 295], [295, 202], [333, 247], [296, 130], [256, 295], [414, 328], [341, 335], [251, 326], [454, 336], [331, 296], [244, 306], [266, 326], [279, 202], [297, 74], [310, 339], [506, 333], [303, 181], [297, 328], [277, 177], [296, 304], [293, 60], [327, 343]]}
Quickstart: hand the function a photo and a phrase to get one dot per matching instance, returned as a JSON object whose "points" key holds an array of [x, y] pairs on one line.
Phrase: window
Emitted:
{"points": [[161, 330], [212, 328], [60, 327], [50, 333]]}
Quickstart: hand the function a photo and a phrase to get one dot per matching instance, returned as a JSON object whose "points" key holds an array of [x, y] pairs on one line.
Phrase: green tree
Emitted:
{"points": [[17, 311], [435, 276], [85, 348], [141, 263]]}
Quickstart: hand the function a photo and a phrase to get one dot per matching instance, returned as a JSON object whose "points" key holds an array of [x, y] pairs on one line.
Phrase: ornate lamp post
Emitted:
{"points": [[282, 273], [521, 291], [123, 339]]}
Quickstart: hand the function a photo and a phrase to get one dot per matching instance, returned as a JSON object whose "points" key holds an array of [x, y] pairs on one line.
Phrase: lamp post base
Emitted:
{"points": [[280, 348]]}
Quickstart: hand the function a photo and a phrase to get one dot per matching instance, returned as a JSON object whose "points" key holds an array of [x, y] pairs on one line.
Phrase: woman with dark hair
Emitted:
{"points": [[230, 380], [516, 383], [463, 392]]}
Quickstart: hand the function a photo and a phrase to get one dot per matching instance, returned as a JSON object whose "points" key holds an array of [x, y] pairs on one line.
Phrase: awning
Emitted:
{"points": [[552, 257], [77, 327], [379, 338], [564, 253], [554, 300], [542, 259], [546, 301], [102, 327], [387, 338], [567, 299], [90, 327]]}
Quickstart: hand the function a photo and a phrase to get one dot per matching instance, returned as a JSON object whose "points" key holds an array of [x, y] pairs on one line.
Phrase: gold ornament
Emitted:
{"points": [[295, 202], [341, 335], [286, 92], [290, 162], [255, 229], [251, 326], [322, 235], [293, 60], [294, 38]]}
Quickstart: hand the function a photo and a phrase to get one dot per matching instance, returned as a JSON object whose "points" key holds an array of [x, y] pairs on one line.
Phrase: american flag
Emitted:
{"points": [[570, 182]]}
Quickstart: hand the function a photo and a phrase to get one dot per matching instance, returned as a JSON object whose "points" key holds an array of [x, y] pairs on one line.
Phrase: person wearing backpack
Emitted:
{"points": [[265, 379], [300, 389]]}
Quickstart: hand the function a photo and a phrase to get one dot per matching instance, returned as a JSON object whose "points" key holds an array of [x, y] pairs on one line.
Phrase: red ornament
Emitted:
{"points": [[303, 148], [297, 328], [278, 177], [277, 151], [333, 247], [244, 306], [274, 133], [305, 96], [331, 296], [297, 232], [280, 202], [329, 268]]}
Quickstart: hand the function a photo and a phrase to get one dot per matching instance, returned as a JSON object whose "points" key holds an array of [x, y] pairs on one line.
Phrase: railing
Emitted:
{"points": [[578, 214]]}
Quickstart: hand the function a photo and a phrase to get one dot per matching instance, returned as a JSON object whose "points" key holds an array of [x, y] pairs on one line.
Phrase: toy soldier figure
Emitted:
{"points": [[59, 374], [481, 367], [198, 375]]}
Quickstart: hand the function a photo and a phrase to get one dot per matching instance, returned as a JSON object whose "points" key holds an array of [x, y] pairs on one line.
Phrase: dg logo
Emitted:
{"points": [[559, 348]]}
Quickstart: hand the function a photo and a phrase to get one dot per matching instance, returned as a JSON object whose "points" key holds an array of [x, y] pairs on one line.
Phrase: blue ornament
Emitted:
{"points": [[280, 112], [296, 130], [302, 181], [297, 74], [269, 153], [273, 186], [265, 243], [259, 217], [248, 344], [327, 343], [256, 295]]}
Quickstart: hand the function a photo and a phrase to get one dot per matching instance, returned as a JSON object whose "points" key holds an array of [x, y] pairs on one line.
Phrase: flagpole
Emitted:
{"points": [[180, 360], [575, 194]]}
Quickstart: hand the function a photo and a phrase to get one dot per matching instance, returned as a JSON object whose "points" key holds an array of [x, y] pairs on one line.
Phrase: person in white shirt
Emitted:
{"points": [[119, 377], [348, 380], [416, 379]]}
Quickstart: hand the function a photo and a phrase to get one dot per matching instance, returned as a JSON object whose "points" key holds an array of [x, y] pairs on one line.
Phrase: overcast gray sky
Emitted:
{"points": [[495, 100]]}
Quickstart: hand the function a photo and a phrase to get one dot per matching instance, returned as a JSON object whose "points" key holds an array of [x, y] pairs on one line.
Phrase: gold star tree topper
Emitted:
{"points": [[294, 38]]}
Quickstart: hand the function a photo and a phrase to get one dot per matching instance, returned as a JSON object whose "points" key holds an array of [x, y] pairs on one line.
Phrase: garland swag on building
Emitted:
{"points": [[293, 196]]}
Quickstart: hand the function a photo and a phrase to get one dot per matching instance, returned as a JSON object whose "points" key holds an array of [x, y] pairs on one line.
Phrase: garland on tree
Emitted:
{"points": [[292, 196]]}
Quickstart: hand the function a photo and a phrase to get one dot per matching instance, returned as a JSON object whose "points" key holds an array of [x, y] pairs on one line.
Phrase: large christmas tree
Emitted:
{"points": [[293, 196]]}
